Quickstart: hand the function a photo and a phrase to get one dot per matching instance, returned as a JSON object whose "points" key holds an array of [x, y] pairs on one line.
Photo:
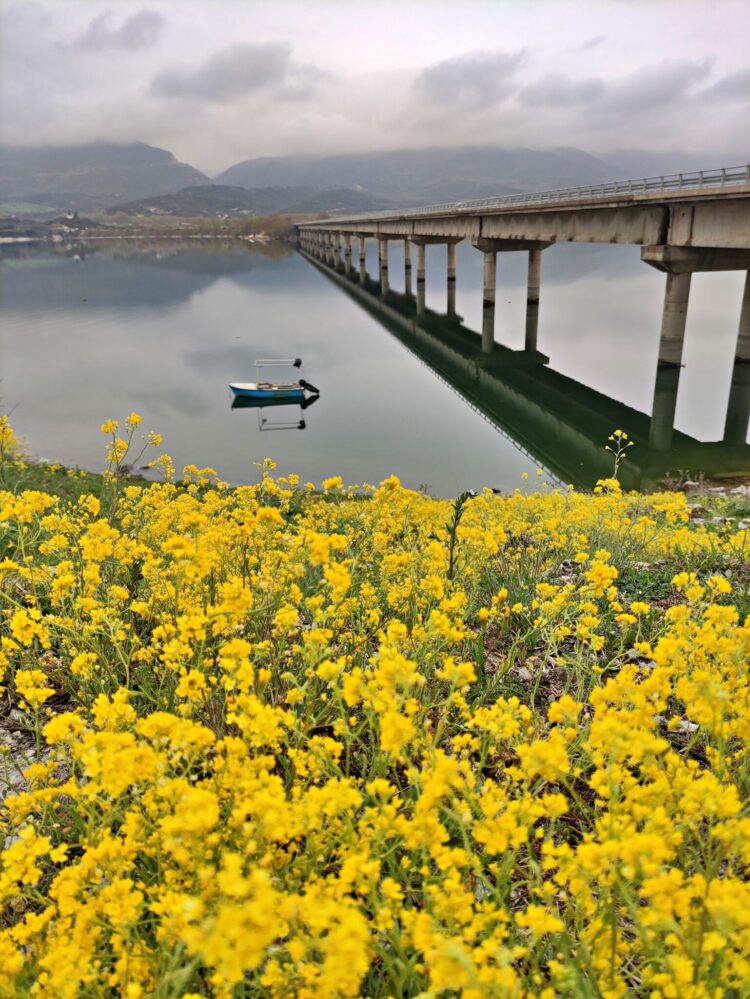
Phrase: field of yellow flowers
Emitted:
{"points": [[324, 744]]}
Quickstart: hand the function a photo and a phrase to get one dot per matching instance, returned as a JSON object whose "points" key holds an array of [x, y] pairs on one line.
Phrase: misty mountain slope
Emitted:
{"points": [[99, 173], [220, 199], [647, 163], [212, 199], [421, 175], [334, 199]]}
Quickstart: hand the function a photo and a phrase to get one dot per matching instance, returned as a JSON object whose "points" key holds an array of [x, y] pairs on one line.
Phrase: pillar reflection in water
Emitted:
{"points": [[742, 353], [738, 407], [661, 431]]}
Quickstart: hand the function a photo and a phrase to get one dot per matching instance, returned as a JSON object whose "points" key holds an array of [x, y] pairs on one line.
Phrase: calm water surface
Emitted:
{"points": [[89, 334]]}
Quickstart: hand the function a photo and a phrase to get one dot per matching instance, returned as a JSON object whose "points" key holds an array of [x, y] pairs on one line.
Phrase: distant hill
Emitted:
{"points": [[82, 178], [221, 199], [414, 176]]}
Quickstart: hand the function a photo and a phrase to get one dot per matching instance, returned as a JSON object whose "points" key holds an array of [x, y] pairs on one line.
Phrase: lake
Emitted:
{"points": [[93, 331]]}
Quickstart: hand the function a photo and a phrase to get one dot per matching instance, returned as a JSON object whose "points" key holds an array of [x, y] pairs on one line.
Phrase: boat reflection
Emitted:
{"points": [[560, 423], [264, 422]]}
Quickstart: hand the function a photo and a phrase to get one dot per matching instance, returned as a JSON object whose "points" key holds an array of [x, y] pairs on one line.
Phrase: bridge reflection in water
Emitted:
{"points": [[560, 423]]}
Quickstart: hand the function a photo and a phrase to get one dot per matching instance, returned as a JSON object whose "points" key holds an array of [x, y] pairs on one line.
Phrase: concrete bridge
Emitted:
{"points": [[683, 223], [559, 422]]}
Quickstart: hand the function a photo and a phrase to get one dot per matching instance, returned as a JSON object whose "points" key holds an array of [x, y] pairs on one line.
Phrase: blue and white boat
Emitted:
{"points": [[274, 391]]}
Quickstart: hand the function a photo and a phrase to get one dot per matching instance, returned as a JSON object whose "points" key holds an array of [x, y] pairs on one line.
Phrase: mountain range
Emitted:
{"points": [[142, 179], [90, 176], [414, 176]]}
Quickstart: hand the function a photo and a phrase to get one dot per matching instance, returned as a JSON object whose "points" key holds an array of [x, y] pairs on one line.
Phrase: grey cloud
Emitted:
{"points": [[476, 79], [139, 31], [240, 69], [558, 90], [647, 89], [667, 82], [302, 82], [731, 89], [592, 43]]}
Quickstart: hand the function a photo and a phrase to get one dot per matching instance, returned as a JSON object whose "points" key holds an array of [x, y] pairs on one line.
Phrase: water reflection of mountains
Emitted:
{"points": [[132, 274], [141, 274], [560, 423]]}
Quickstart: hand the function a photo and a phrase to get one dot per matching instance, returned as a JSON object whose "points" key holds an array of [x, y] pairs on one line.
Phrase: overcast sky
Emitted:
{"points": [[218, 81]]}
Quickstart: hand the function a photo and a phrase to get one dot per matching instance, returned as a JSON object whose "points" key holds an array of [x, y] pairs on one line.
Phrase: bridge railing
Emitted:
{"points": [[697, 179]]}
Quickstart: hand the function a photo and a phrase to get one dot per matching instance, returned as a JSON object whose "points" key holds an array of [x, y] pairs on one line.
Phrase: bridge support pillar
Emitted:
{"points": [[673, 319], [669, 363], [362, 260], [532, 299], [407, 267], [347, 253], [679, 263], [490, 247], [451, 280], [421, 258], [383, 264], [489, 282], [421, 244]]}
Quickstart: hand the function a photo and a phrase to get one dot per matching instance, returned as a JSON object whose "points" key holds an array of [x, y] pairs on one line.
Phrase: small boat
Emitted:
{"points": [[268, 390], [287, 391], [254, 402]]}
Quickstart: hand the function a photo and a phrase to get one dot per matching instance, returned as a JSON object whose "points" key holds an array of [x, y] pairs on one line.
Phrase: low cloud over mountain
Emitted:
{"points": [[238, 70]]}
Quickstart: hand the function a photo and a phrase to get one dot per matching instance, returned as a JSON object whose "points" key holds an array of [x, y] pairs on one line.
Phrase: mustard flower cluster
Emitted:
{"points": [[284, 752]]}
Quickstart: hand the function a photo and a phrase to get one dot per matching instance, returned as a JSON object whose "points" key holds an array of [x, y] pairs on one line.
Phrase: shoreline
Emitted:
{"points": [[255, 238]]}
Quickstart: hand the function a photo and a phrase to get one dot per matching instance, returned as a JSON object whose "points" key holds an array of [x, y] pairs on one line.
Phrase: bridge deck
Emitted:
{"points": [[706, 209]]}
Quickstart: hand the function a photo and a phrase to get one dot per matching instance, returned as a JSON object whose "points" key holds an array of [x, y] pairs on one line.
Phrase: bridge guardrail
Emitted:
{"points": [[697, 179]]}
